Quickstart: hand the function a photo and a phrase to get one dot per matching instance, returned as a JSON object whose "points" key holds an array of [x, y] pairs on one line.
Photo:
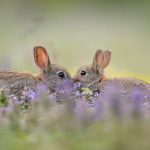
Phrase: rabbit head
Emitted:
{"points": [[94, 73], [51, 74]]}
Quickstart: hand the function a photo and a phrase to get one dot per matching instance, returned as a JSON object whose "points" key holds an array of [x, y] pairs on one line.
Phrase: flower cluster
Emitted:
{"points": [[84, 103], [74, 113]]}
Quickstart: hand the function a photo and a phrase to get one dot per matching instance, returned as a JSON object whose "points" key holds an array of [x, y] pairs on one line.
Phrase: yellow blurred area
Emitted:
{"points": [[113, 73]]}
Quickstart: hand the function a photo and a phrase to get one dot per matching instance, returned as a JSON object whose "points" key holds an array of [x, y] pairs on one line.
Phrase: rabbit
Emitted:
{"points": [[51, 74], [93, 77]]}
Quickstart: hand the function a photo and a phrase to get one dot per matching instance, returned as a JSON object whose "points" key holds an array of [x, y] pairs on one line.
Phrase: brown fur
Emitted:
{"points": [[127, 83], [15, 82], [95, 78]]}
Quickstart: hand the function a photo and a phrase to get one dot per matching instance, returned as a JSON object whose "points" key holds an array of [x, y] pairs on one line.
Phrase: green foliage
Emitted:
{"points": [[3, 99]]}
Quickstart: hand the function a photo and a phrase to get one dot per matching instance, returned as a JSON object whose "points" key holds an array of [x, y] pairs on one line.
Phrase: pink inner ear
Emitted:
{"points": [[41, 57], [100, 58], [107, 57], [44, 59]]}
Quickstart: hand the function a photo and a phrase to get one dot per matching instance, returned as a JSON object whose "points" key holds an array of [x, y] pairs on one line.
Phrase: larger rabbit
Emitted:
{"points": [[51, 75], [93, 76]]}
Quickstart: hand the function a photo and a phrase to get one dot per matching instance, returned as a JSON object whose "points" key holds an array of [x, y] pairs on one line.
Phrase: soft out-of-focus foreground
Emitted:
{"points": [[73, 30], [75, 118]]}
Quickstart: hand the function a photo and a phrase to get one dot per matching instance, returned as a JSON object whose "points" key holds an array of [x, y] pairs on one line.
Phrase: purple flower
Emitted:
{"points": [[78, 93], [30, 94], [77, 85], [13, 100], [100, 109], [65, 86], [137, 99], [96, 94], [81, 108]]}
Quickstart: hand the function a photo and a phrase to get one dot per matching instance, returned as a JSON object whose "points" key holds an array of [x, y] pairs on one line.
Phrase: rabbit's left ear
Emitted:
{"points": [[98, 60], [41, 58]]}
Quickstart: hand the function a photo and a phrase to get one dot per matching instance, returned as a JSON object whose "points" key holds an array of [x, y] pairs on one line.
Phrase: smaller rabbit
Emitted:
{"points": [[93, 76], [50, 76]]}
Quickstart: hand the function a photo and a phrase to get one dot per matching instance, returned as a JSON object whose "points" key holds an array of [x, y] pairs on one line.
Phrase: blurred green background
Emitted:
{"points": [[73, 30]]}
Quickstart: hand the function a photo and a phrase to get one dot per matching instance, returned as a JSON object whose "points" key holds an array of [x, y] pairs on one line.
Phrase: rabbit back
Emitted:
{"points": [[121, 85], [125, 86], [127, 83], [15, 82]]}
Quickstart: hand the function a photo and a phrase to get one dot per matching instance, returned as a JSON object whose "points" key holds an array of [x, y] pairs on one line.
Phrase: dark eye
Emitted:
{"points": [[83, 73], [61, 74]]}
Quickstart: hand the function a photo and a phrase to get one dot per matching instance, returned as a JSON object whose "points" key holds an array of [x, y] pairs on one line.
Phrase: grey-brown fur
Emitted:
{"points": [[95, 78], [127, 84], [15, 82]]}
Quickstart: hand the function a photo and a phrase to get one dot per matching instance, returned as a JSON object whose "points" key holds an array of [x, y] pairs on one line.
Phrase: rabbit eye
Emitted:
{"points": [[83, 73], [61, 74]]}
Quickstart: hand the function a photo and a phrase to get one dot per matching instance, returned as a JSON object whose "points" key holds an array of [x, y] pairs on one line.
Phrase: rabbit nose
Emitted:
{"points": [[75, 79]]}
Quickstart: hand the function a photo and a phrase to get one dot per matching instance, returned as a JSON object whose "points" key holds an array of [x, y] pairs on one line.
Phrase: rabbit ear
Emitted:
{"points": [[41, 58], [107, 57], [98, 60]]}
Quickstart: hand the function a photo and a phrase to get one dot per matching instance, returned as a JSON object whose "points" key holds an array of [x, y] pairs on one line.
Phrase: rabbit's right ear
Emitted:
{"points": [[98, 60], [41, 58], [107, 57]]}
